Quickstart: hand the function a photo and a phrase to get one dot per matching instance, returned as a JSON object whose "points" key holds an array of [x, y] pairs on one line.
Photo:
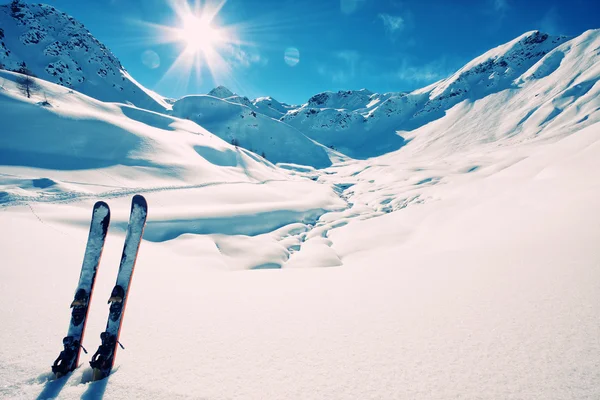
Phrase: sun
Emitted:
{"points": [[207, 46], [199, 35]]}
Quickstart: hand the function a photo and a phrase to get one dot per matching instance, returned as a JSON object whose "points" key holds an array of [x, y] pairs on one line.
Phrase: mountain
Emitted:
{"points": [[271, 107], [263, 105], [362, 124], [344, 99], [221, 92], [356, 123], [59, 49], [241, 125]]}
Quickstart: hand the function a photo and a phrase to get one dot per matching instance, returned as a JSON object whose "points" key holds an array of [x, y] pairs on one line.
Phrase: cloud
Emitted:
{"points": [[495, 11], [350, 56], [425, 73], [392, 23], [244, 58], [550, 22], [500, 5], [350, 6], [346, 66]]}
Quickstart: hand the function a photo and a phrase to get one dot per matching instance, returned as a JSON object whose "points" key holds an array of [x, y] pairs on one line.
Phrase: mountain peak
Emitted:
{"points": [[498, 66], [221, 92]]}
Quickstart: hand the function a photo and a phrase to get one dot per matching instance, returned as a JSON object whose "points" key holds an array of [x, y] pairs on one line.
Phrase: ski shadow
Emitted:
{"points": [[52, 387], [95, 390]]}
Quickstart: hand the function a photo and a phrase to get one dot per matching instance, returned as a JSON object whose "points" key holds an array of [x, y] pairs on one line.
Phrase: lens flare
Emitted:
{"points": [[204, 41]]}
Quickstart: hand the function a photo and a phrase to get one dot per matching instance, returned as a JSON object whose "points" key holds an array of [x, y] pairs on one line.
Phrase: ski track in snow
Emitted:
{"points": [[12, 200]]}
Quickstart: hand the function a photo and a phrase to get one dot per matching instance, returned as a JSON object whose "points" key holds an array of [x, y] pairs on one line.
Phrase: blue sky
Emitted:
{"points": [[382, 45]]}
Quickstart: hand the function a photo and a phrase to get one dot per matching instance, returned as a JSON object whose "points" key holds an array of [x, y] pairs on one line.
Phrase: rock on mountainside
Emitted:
{"points": [[346, 99], [59, 49]]}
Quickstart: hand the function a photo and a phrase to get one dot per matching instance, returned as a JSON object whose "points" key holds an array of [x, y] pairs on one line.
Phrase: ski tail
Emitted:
{"points": [[103, 360], [68, 359]]}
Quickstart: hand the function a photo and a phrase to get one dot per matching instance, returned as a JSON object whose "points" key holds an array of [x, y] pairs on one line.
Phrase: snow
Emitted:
{"points": [[463, 264]]}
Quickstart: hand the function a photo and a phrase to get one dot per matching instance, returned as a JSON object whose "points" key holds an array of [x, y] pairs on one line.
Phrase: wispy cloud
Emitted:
{"points": [[423, 74], [550, 22], [245, 58], [392, 23], [346, 66], [495, 11], [500, 5], [350, 6]]}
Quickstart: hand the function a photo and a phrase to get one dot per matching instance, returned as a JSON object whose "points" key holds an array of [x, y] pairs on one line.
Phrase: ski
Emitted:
{"points": [[68, 359], [104, 358]]}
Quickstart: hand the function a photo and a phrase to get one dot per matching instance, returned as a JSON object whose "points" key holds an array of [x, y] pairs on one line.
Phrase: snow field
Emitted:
{"points": [[464, 265]]}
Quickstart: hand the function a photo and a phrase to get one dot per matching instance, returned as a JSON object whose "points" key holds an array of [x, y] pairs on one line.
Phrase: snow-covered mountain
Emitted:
{"points": [[241, 125], [271, 107], [263, 105], [362, 124], [221, 92], [59, 49]]}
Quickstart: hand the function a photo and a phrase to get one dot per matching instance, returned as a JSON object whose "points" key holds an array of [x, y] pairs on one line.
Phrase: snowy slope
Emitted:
{"points": [[59, 49], [237, 123], [79, 139], [481, 284], [271, 107]]}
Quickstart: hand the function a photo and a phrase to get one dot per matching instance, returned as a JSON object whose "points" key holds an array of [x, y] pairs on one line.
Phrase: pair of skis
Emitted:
{"points": [[104, 358]]}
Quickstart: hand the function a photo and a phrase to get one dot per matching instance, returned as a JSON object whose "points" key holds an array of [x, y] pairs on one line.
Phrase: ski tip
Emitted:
{"points": [[101, 204], [139, 200]]}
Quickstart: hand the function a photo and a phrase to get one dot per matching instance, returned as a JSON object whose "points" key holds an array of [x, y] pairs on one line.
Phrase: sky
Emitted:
{"points": [[291, 50]]}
